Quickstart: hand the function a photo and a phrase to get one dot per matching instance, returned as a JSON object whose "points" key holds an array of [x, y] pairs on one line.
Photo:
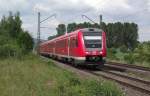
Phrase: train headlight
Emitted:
{"points": [[87, 52], [101, 52]]}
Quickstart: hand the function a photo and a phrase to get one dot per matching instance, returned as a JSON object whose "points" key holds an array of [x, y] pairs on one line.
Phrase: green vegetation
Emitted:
{"points": [[139, 56], [31, 76], [122, 34], [24, 74], [14, 41]]}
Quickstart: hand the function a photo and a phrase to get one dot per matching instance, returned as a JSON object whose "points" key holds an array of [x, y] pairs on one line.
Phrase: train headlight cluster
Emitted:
{"points": [[101, 52], [93, 52], [87, 52]]}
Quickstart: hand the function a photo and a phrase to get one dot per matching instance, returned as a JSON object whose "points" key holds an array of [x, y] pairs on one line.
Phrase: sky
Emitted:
{"points": [[68, 11]]}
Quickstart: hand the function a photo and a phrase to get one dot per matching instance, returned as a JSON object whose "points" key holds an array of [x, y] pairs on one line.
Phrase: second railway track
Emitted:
{"points": [[129, 66], [138, 84], [134, 70]]}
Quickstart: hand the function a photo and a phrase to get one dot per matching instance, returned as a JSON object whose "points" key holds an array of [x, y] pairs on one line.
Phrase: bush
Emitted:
{"points": [[129, 58], [14, 41], [25, 42], [113, 50], [111, 54], [123, 49], [4, 40], [9, 50], [142, 53]]}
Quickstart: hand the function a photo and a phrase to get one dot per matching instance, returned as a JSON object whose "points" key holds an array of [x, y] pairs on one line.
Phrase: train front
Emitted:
{"points": [[94, 41]]}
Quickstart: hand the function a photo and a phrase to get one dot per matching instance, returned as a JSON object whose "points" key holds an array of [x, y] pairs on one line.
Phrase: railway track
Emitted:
{"points": [[133, 70], [137, 84], [129, 77], [129, 66]]}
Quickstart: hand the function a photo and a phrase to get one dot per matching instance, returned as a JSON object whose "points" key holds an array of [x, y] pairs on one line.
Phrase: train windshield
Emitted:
{"points": [[93, 39]]}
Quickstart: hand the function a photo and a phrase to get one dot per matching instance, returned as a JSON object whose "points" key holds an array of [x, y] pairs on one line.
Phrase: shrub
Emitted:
{"points": [[111, 54], [8, 50], [123, 49], [25, 42], [14, 41], [129, 58], [142, 53], [3, 40], [113, 50], [105, 88]]}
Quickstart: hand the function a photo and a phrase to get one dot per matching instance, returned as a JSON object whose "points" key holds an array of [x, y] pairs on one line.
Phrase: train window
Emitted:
{"points": [[56, 44], [61, 43], [92, 33], [93, 39], [74, 42], [68, 42], [50, 45]]}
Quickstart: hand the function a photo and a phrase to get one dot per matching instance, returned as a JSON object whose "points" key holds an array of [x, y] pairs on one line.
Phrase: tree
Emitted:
{"points": [[11, 25], [51, 37], [71, 27], [4, 26], [25, 41], [109, 34], [18, 23], [14, 41], [130, 35], [61, 29], [120, 34]]}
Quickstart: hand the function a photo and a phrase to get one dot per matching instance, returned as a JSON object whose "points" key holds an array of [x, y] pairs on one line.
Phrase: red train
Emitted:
{"points": [[83, 46]]}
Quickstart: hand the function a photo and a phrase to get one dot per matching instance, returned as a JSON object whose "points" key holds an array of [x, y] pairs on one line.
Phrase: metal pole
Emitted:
{"points": [[48, 18], [66, 29], [38, 35], [88, 18], [38, 30], [100, 21]]}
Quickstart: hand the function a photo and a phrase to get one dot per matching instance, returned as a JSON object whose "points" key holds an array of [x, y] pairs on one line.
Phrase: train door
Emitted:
{"points": [[54, 45], [68, 46]]}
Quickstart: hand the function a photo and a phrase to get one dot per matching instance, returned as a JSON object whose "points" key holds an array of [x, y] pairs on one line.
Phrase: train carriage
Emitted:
{"points": [[84, 46]]}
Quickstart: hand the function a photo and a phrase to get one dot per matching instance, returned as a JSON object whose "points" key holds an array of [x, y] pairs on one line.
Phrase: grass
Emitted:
{"points": [[31, 76], [118, 56], [135, 62]]}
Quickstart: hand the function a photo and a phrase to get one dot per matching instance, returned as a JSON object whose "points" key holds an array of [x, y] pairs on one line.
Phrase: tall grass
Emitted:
{"points": [[140, 56], [31, 76]]}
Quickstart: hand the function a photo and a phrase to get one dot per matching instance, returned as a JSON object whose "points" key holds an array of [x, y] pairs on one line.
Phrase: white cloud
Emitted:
{"points": [[41, 7], [108, 5], [144, 33], [11, 5], [70, 11], [53, 23], [148, 5]]}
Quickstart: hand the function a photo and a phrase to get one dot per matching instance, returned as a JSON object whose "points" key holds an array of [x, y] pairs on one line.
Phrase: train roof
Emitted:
{"points": [[76, 31], [91, 29]]}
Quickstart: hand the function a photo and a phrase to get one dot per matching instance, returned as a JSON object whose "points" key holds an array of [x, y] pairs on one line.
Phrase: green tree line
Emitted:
{"points": [[14, 41], [119, 35]]}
